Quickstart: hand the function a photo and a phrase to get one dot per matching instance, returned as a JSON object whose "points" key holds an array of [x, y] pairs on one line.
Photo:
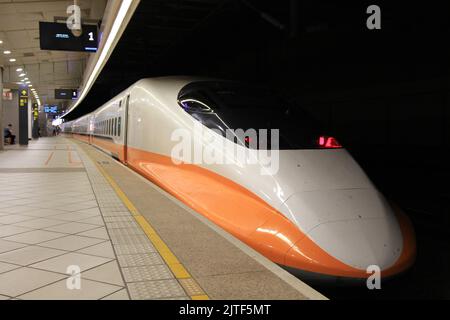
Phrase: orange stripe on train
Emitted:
{"points": [[246, 216]]}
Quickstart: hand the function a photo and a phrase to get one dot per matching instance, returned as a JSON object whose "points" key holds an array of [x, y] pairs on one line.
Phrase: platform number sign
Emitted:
{"points": [[66, 94], [57, 36]]}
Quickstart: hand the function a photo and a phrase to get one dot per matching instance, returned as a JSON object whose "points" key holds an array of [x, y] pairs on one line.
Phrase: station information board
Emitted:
{"points": [[50, 109], [56, 36], [66, 94]]}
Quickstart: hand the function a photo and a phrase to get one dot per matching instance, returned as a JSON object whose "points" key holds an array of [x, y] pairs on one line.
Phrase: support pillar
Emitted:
{"points": [[23, 115]]}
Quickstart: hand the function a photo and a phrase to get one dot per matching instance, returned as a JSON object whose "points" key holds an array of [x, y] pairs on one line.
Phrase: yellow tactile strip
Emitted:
{"points": [[189, 284]]}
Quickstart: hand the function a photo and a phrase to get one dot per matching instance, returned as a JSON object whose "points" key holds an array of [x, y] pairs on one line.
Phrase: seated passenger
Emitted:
{"points": [[9, 134]]}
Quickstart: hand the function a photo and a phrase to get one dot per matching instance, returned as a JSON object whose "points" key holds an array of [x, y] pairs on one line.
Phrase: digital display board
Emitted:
{"points": [[66, 94], [50, 109], [56, 36]]}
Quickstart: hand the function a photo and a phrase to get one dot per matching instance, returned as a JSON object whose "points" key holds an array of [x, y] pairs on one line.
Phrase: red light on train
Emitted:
{"points": [[326, 142]]}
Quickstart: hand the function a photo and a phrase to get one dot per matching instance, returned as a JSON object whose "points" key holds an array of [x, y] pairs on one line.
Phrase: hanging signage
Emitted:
{"points": [[50, 109], [56, 36], [7, 95], [66, 94]]}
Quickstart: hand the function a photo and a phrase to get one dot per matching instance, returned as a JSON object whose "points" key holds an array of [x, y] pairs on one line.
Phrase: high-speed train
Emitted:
{"points": [[317, 215]]}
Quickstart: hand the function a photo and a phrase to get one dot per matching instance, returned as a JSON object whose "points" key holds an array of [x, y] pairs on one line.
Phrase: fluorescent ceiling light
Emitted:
{"points": [[28, 82], [1, 42], [22, 75], [124, 7], [12, 60], [26, 79], [7, 52], [19, 70]]}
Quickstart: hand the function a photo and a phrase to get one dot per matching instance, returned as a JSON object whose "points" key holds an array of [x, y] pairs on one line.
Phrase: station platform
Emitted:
{"points": [[76, 224]]}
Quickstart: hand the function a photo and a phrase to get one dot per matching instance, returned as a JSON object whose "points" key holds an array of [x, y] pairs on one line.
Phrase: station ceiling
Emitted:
{"points": [[19, 31]]}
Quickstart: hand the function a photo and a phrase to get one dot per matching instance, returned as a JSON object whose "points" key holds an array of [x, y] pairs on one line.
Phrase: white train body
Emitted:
{"points": [[318, 214]]}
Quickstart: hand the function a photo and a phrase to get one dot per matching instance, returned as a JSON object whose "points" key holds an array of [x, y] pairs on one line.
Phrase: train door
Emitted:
{"points": [[91, 130], [125, 129]]}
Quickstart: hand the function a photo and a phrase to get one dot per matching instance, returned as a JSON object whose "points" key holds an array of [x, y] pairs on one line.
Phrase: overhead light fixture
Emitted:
{"points": [[30, 85], [7, 52], [28, 82], [26, 79], [1, 42], [19, 70], [12, 60], [22, 75], [120, 17]]}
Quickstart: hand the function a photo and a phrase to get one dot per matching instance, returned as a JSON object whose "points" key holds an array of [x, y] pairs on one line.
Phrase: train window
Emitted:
{"points": [[114, 126], [226, 105], [119, 120]]}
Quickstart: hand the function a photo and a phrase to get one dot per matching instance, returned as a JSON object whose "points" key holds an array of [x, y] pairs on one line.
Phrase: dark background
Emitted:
{"points": [[383, 93]]}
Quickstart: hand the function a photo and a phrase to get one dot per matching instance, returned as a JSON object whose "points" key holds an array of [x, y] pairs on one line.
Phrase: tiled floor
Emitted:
{"points": [[51, 220]]}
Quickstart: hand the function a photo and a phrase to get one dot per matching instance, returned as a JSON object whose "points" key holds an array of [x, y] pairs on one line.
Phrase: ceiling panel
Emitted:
{"points": [[19, 31]]}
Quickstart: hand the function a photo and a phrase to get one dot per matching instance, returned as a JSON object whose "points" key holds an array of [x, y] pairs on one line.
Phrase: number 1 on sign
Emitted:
{"points": [[91, 36]]}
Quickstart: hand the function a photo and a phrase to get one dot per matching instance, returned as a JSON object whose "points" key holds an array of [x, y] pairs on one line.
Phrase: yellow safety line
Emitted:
{"points": [[171, 260], [49, 158]]}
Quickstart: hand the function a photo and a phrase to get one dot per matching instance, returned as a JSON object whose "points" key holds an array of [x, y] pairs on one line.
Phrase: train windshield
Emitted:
{"points": [[221, 105]]}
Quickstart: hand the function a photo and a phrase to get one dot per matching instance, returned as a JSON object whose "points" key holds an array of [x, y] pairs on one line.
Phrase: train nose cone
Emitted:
{"points": [[346, 231], [309, 209], [360, 243]]}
